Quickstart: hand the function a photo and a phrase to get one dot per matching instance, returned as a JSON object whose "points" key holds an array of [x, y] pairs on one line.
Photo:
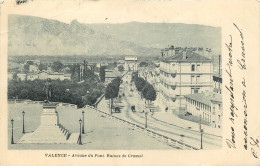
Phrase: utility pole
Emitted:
{"points": [[201, 133], [146, 114], [23, 122], [83, 132], [80, 121], [12, 139]]}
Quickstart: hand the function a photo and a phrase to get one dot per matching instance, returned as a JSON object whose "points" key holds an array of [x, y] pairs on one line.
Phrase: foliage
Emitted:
{"points": [[139, 83], [143, 64], [63, 91], [149, 92], [75, 72], [121, 68], [42, 67], [146, 89], [26, 67], [102, 73], [112, 90], [57, 66]]}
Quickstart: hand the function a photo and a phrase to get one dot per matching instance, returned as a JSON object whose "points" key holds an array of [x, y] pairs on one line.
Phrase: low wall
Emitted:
{"points": [[13, 101]]}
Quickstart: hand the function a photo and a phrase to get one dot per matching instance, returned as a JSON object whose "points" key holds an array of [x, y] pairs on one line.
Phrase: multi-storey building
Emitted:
{"points": [[207, 105], [184, 73]]}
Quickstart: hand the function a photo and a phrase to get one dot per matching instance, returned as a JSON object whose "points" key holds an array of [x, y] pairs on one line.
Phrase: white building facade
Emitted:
{"points": [[131, 64], [182, 74], [207, 105]]}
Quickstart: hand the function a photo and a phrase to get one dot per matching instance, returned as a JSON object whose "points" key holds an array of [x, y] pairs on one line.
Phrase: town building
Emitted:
{"points": [[131, 63], [33, 62], [184, 73], [22, 76], [43, 75], [32, 76], [111, 74], [33, 68], [217, 84], [56, 76], [207, 105], [11, 75]]}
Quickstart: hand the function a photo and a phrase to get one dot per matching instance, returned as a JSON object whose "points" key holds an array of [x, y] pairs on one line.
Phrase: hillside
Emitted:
{"points": [[160, 35], [38, 36], [30, 35]]}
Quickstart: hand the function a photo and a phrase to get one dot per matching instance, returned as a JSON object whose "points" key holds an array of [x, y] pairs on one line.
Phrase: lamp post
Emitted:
{"points": [[58, 122], [80, 121], [12, 139], [83, 132], [23, 122], [201, 133], [146, 114]]}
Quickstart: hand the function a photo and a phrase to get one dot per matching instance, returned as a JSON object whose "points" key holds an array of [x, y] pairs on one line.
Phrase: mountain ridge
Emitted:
{"points": [[29, 35]]}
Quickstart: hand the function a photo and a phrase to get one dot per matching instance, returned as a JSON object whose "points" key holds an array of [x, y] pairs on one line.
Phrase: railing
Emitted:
{"points": [[166, 139], [99, 99], [64, 131], [40, 102]]}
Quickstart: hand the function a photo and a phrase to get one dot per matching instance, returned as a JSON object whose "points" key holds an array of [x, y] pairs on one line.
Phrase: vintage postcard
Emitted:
{"points": [[130, 82]]}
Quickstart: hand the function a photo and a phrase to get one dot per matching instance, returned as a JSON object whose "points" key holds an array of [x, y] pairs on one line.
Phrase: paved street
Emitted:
{"points": [[171, 130]]}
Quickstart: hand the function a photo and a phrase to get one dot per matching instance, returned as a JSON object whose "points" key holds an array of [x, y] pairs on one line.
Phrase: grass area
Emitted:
{"points": [[101, 133]]}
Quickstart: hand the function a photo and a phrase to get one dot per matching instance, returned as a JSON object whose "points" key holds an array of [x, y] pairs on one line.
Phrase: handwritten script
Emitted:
{"points": [[240, 63]]}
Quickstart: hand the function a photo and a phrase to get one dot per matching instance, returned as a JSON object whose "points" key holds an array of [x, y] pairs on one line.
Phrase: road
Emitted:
{"points": [[190, 137]]}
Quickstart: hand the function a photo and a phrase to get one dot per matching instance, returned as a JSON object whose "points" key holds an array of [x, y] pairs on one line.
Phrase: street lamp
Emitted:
{"points": [[58, 122], [12, 139], [146, 114], [80, 121], [201, 133], [83, 132], [23, 122]]}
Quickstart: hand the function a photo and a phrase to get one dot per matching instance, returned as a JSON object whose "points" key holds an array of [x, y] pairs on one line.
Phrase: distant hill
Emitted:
{"points": [[30, 35], [160, 35]]}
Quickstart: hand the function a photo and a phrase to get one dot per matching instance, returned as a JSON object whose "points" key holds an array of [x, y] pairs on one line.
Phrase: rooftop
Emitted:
{"points": [[130, 58], [205, 97], [189, 57], [113, 74]]}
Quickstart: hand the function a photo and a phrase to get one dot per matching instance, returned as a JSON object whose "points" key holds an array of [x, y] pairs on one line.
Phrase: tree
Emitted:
{"points": [[143, 64], [15, 77], [115, 64], [149, 92], [121, 68], [42, 67], [139, 83], [26, 67], [102, 73], [57, 66], [24, 94], [112, 91]]}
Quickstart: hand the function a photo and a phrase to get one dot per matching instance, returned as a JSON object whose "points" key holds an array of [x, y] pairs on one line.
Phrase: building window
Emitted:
{"points": [[198, 66], [197, 79], [192, 67], [196, 91]]}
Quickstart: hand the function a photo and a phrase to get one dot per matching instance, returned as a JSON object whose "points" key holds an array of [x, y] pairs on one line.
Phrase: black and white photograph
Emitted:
{"points": [[133, 85], [129, 82]]}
